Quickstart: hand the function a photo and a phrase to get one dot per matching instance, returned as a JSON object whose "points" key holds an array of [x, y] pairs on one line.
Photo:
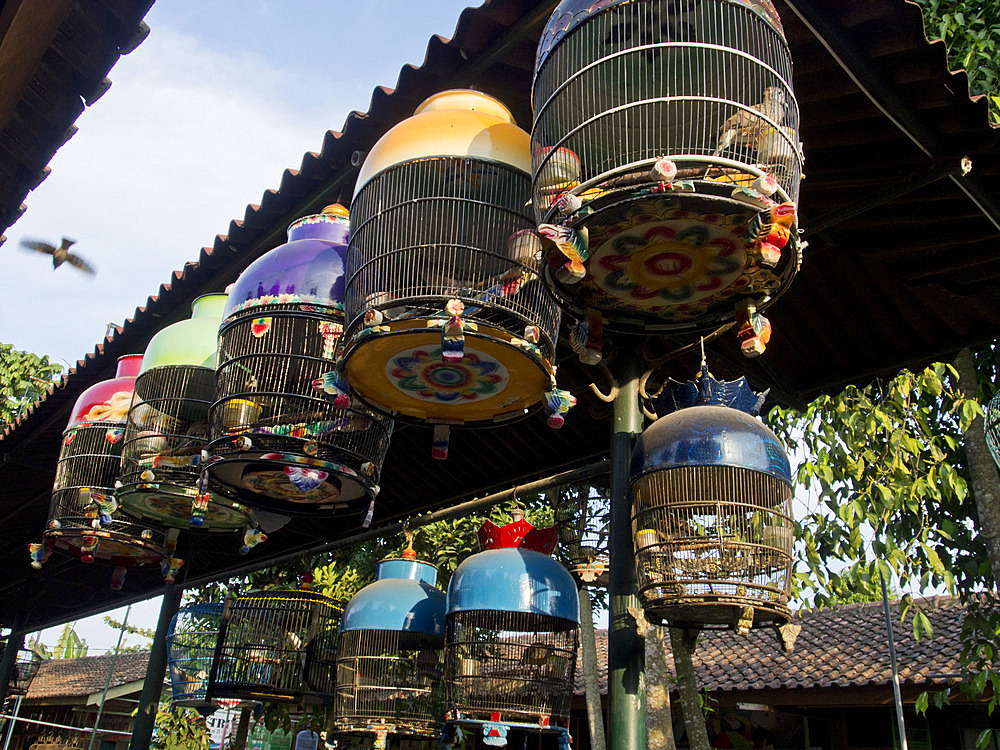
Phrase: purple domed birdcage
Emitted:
{"points": [[278, 442], [711, 510], [666, 164]]}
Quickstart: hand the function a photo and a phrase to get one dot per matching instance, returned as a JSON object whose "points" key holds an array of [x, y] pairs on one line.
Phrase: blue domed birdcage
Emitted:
{"points": [[277, 441], [277, 646], [390, 654], [191, 641], [666, 164], [512, 634], [711, 510]]}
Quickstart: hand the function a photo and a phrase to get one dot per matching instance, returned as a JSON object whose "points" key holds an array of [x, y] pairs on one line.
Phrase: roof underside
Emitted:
{"points": [[898, 275]]}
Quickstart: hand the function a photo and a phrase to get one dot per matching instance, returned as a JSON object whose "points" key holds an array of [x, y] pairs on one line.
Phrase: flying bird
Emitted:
{"points": [[59, 254]]}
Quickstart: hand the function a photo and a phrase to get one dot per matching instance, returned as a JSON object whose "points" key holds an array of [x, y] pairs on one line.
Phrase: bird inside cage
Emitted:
{"points": [[754, 128]]}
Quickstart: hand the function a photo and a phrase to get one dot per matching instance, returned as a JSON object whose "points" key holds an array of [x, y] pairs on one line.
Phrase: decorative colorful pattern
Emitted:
{"points": [[331, 333], [113, 435], [260, 326], [277, 483], [304, 479], [287, 299], [113, 410], [423, 374]]}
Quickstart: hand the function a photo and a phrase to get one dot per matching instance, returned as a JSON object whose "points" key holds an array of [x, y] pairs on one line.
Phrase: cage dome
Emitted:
{"points": [[278, 442], [711, 511], [168, 428], [191, 640], [307, 269], [514, 580], [390, 652], [447, 320], [666, 163], [84, 520]]}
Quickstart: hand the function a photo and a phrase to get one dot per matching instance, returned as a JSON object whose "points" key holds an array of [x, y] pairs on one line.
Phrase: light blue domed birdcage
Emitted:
{"points": [[191, 641]]}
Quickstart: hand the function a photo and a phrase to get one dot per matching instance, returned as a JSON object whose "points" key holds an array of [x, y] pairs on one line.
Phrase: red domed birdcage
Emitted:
{"points": [[666, 164]]}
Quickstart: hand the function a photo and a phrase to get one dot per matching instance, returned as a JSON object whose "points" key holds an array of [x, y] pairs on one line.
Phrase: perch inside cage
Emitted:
{"points": [[447, 320], [512, 633], [711, 510], [277, 646], [278, 441], [84, 519], [167, 430], [666, 163], [390, 654], [191, 641], [25, 668]]}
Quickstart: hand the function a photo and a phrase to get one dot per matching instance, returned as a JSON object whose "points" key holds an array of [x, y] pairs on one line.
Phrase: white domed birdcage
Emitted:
{"points": [[448, 322], [390, 655], [711, 510], [512, 634], [666, 163], [277, 646], [278, 442]]}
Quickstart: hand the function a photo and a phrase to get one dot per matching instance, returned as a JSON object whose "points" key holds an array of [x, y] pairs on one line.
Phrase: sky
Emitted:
{"points": [[200, 120]]}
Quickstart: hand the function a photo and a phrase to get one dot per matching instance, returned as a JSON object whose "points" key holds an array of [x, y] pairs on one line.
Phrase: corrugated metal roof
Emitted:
{"points": [[909, 279]]}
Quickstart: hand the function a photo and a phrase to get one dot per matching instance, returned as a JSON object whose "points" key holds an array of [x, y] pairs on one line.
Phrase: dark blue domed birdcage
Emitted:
{"points": [[390, 654], [191, 641], [711, 510], [512, 635], [666, 164]]}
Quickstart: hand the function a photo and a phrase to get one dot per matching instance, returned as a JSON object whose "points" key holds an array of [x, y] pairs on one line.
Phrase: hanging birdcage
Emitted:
{"points": [[448, 322], [390, 654], [277, 441], [991, 424], [191, 641], [711, 510], [666, 163], [277, 646], [84, 519], [581, 515], [25, 668], [512, 634], [161, 474]]}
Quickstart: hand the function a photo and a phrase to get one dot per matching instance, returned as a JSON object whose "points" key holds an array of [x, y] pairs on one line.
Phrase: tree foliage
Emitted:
{"points": [[23, 379], [69, 645], [179, 729], [971, 30]]}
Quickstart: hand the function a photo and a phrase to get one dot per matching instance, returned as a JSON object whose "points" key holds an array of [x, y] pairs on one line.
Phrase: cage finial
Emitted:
{"points": [[409, 553]]}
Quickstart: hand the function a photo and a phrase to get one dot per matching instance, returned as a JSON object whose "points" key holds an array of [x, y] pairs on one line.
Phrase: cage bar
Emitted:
{"points": [[25, 669], [191, 642]]}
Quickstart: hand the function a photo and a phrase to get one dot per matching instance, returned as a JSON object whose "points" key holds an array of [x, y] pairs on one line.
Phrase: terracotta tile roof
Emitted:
{"points": [[79, 677], [843, 646]]}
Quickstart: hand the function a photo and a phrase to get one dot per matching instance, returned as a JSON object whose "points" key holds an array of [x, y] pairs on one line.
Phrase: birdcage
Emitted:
{"points": [[711, 513], [84, 519], [448, 322], [666, 162], [278, 441], [25, 668], [390, 654], [512, 634], [992, 427], [167, 430], [191, 641], [277, 646]]}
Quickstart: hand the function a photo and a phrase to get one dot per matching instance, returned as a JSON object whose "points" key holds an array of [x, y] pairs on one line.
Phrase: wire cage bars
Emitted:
{"points": [[516, 664], [390, 654], [711, 511], [278, 442], [166, 432], [991, 424], [448, 320], [665, 146], [277, 646], [25, 669], [191, 642]]}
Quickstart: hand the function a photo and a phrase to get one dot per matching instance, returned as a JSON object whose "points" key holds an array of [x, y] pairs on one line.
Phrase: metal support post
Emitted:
{"points": [[900, 724], [626, 650], [8, 663], [149, 698]]}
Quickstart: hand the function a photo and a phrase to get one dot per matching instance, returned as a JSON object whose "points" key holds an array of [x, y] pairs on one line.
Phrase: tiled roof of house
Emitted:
{"points": [[58, 678], [842, 646]]}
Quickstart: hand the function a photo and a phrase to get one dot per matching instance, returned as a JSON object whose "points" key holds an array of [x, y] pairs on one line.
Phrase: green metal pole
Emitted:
{"points": [[107, 682], [149, 698], [626, 650]]}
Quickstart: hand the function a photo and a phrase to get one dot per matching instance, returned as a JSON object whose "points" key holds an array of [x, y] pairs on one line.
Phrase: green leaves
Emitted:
{"points": [[23, 379]]}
